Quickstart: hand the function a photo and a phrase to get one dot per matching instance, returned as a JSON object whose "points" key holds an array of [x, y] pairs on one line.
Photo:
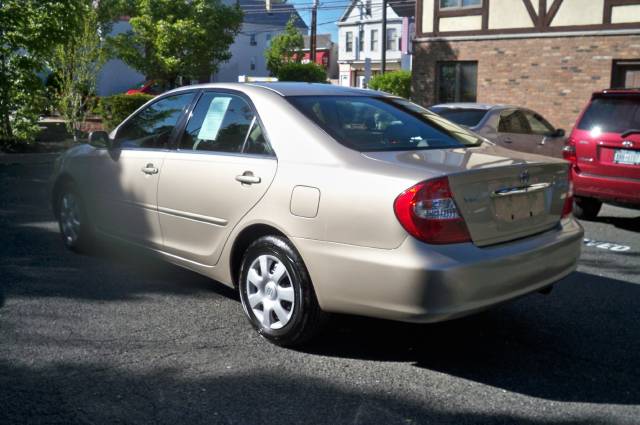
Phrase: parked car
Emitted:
{"points": [[312, 198], [604, 148], [152, 87], [513, 127]]}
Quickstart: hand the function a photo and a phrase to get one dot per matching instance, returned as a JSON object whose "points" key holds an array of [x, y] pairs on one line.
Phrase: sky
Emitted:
{"points": [[329, 11]]}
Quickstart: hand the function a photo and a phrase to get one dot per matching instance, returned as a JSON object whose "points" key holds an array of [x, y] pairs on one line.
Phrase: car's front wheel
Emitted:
{"points": [[277, 294], [586, 208], [73, 220]]}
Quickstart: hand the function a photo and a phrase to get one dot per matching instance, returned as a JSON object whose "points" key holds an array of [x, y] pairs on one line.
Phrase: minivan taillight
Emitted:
{"points": [[428, 212], [567, 208]]}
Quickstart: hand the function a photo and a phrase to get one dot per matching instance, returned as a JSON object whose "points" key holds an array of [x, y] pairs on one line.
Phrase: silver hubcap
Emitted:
{"points": [[70, 218], [270, 292]]}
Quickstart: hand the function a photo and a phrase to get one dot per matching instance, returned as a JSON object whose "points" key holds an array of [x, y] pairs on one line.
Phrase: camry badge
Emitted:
{"points": [[627, 144]]}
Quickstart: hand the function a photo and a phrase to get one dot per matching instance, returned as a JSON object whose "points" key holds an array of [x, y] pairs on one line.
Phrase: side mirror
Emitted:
{"points": [[559, 132], [100, 139]]}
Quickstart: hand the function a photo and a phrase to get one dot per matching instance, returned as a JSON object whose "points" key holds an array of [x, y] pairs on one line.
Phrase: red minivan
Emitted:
{"points": [[604, 148]]}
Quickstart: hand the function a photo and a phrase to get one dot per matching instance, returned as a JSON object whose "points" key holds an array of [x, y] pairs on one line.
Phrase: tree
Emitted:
{"points": [[178, 38], [28, 31], [286, 47], [76, 63], [307, 72], [395, 82]]}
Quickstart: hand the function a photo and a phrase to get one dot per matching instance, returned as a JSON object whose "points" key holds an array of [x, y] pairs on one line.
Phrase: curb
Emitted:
{"points": [[28, 158]]}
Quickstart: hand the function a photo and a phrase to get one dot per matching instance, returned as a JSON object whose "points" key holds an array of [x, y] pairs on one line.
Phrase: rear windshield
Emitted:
{"points": [[611, 115], [382, 124], [466, 117]]}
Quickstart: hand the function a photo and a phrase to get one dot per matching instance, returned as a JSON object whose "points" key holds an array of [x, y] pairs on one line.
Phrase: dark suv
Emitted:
{"points": [[604, 148]]}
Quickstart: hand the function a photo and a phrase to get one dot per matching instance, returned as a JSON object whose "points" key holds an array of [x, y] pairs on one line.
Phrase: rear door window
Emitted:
{"points": [[612, 115], [538, 125], [223, 122], [513, 121]]}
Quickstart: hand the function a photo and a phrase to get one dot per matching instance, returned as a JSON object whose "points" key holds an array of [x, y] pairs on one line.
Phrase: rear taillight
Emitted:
{"points": [[567, 208], [569, 151], [428, 212]]}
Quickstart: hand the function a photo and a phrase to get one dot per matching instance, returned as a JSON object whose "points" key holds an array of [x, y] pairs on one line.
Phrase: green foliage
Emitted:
{"points": [[114, 109], [395, 82], [177, 38], [28, 31], [285, 48], [307, 72], [76, 64]]}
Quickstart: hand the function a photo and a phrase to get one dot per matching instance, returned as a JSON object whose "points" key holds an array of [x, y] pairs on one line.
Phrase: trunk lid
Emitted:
{"points": [[501, 194]]}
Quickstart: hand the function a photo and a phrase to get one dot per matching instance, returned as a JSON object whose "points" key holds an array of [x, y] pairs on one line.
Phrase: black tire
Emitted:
{"points": [[586, 208], [84, 239], [306, 319]]}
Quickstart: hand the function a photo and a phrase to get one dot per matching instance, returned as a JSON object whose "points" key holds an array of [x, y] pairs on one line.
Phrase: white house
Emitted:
{"points": [[258, 27], [247, 51], [360, 41]]}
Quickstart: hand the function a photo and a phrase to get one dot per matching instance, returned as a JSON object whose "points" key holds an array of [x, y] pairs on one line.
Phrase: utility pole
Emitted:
{"points": [[383, 60], [312, 41]]}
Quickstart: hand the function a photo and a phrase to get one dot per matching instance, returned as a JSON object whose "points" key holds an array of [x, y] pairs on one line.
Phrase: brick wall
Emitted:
{"points": [[553, 76]]}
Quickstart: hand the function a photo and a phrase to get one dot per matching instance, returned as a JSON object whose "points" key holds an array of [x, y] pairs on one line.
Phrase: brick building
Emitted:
{"points": [[548, 55]]}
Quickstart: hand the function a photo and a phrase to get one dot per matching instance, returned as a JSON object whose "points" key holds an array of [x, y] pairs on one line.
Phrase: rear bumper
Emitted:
{"points": [[426, 283], [607, 188]]}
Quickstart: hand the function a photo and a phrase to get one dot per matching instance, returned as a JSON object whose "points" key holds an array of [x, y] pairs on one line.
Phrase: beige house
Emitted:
{"points": [[548, 55]]}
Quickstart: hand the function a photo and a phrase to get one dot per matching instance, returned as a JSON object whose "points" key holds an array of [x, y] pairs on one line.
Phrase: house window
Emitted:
{"points": [[268, 38], [349, 44], [374, 40], [457, 81], [625, 74], [252, 39], [252, 64], [460, 4], [392, 39], [361, 41]]}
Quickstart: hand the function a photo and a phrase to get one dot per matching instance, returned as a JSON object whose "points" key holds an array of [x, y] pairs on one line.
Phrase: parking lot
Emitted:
{"points": [[120, 337]]}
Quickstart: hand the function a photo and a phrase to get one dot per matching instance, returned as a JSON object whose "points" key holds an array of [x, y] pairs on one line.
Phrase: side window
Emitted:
{"points": [[151, 128], [538, 124], [224, 122], [513, 121]]}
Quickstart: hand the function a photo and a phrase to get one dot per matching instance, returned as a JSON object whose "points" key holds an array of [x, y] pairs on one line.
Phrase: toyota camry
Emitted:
{"points": [[312, 199]]}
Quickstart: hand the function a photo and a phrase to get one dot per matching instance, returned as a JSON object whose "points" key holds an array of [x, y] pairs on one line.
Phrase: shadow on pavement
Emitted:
{"points": [[80, 394], [631, 224], [580, 343]]}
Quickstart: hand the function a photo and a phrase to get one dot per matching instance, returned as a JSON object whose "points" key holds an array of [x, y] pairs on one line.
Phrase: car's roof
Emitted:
{"points": [[293, 89], [471, 105]]}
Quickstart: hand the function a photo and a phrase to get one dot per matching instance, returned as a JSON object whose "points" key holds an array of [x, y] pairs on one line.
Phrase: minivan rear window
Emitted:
{"points": [[372, 123], [611, 115]]}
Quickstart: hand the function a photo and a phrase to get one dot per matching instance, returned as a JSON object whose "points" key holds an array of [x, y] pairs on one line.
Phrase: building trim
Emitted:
{"points": [[370, 21], [542, 20], [546, 34]]}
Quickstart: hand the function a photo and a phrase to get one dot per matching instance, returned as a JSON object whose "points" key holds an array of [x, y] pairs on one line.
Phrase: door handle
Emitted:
{"points": [[248, 178], [507, 140], [149, 169]]}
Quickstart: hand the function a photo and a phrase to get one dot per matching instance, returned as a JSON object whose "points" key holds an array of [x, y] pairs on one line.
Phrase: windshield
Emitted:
{"points": [[611, 115], [466, 117], [382, 124]]}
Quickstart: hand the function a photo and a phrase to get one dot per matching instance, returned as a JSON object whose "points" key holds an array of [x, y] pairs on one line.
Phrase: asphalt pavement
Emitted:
{"points": [[121, 337]]}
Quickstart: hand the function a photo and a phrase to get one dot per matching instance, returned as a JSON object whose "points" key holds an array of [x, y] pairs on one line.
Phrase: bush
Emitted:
{"points": [[396, 82], [114, 109], [307, 72]]}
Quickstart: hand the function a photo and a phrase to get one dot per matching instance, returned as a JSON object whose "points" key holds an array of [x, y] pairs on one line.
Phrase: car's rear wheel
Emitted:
{"points": [[277, 294], [586, 208], [73, 220]]}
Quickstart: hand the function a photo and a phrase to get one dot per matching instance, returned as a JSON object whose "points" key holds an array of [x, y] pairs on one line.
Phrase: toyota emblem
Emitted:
{"points": [[627, 144], [524, 177]]}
